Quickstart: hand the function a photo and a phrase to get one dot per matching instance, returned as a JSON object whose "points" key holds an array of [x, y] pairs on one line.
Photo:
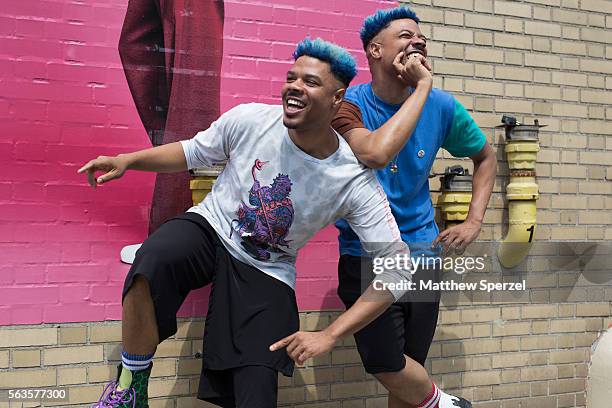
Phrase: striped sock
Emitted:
{"points": [[432, 400], [440, 399], [134, 362]]}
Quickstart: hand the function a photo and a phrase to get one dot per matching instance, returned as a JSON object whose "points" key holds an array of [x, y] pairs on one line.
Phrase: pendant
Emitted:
{"points": [[394, 168]]}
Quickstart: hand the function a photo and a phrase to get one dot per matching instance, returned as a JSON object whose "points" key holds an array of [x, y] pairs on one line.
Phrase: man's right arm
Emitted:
{"points": [[377, 148], [161, 159], [205, 149], [372, 220]]}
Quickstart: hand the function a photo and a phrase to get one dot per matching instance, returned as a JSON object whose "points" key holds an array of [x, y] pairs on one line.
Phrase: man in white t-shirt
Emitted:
{"points": [[288, 175]]}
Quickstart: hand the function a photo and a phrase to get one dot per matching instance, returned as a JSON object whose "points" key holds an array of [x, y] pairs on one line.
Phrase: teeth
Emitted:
{"points": [[295, 102]]}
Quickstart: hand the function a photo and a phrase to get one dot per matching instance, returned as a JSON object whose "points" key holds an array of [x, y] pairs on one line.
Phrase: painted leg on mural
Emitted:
{"points": [[175, 85]]}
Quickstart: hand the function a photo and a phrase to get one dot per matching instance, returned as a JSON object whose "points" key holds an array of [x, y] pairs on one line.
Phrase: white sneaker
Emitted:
{"points": [[128, 253], [450, 401]]}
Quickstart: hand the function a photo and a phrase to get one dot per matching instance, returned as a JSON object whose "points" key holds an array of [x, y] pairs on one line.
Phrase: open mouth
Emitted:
{"points": [[408, 53], [414, 51], [294, 105]]}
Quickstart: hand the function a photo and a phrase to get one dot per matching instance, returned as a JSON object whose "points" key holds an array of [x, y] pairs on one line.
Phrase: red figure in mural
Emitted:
{"points": [[171, 52]]}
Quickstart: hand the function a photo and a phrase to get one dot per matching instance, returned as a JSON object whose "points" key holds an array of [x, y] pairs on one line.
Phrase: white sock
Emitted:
{"points": [[440, 399]]}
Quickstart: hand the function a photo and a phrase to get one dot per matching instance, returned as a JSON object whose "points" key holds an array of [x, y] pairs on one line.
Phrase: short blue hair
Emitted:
{"points": [[341, 62], [380, 20]]}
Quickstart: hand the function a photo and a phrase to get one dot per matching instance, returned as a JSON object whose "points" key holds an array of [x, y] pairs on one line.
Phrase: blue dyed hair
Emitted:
{"points": [[341, 62], [380, 20]]}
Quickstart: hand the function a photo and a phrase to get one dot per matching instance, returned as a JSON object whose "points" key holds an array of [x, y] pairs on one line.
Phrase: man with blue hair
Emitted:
{"points": [[288, 175], [372, 120]]}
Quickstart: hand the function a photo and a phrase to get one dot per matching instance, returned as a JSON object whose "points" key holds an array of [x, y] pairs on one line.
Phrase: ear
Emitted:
{"points": [[338, 97], [374, 50]]}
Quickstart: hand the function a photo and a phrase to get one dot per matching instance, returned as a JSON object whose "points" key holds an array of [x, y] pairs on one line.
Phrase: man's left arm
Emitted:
{"points": [[466, 137], [370, 217]]}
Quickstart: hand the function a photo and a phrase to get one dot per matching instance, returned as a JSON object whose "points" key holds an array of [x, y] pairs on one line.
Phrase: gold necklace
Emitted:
{"points": [[393, 165]]}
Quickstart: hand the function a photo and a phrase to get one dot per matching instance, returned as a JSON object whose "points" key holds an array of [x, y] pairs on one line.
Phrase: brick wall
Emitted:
{"points": [[520, 355], [535, 59], [63, 99]]}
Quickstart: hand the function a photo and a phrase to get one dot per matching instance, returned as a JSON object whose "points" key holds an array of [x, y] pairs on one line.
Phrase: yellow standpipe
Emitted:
{"points": [[200, 186], [522, 147], [202, 182], [456, 195]]}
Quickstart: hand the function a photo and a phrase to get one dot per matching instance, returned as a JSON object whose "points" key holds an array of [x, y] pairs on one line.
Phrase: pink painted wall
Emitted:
{"points": [[64, 100]]}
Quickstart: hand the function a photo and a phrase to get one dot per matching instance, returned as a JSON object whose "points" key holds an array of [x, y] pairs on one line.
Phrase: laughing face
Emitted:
{"points": [[311, 94], [401, 35]]}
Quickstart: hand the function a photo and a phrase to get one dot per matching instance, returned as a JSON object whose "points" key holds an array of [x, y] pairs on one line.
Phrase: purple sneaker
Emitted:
{"points": [[136, 396]]}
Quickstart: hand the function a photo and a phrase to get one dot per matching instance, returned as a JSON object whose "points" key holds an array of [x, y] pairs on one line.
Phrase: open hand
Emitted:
{"points": [[304, 345], [113, 168], [412, 69], [459, 236]]}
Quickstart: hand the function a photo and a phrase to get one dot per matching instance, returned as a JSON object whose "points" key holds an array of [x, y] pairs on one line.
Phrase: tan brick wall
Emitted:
{"points": [[497, 355], [548, 60]]}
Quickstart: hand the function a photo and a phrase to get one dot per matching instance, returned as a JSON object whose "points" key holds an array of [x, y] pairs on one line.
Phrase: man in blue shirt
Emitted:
{"points": [[378, 121]]}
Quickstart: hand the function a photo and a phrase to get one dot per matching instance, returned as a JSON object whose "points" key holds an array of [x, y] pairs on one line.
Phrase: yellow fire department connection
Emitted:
{"points": [[202, 182], [522, 147], [456, 195]]}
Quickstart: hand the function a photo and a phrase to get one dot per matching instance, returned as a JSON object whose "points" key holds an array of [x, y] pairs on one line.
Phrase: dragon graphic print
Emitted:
{"points": [[263, 223]]}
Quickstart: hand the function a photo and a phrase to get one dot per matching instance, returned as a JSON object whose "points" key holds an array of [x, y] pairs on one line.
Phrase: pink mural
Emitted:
{"points": [[64, 99]]}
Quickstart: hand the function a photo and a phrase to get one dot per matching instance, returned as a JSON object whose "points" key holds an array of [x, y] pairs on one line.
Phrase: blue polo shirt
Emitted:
{"points": [[445, 123]]}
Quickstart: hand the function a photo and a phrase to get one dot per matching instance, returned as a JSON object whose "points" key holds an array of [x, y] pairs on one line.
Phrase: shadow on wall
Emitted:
{"points": [[503, 169], [330, 300], [554, 272]]}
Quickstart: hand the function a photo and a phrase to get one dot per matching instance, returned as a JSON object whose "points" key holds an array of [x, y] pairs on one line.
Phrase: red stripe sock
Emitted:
{"points": [[432, 400]]}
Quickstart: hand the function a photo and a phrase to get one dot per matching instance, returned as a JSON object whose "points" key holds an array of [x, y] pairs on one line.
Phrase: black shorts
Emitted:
{"points": [[242, 387], [248, 310], [405, 328]]}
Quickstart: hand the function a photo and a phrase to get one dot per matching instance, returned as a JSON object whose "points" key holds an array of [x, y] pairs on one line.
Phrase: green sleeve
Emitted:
{"points": [[465, 137]]}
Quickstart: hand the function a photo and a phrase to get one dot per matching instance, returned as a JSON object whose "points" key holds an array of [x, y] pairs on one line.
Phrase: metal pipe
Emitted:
{"points": [[522, 147]]}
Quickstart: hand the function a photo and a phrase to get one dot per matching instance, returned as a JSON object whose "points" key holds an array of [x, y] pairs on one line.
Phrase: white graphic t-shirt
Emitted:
{"points": [[272, 197]]}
